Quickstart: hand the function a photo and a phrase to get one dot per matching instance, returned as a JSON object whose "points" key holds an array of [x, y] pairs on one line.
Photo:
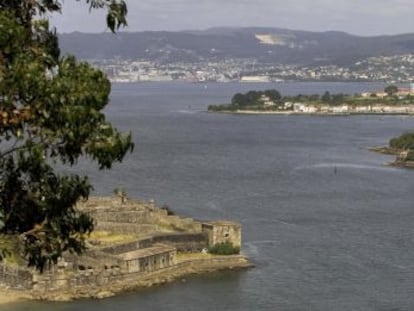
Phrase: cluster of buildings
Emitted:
{"points": [[395, 69], [350, 109]]}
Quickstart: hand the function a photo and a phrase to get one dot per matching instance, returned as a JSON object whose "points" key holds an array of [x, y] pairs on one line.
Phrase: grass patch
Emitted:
{"points": [[108, 238], [225, 248], [9, 247]]}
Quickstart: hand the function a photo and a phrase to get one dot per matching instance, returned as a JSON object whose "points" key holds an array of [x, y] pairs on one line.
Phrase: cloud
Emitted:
{"points": [[356, 16]]}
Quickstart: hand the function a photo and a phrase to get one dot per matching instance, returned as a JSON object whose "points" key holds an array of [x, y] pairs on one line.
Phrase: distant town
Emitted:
{"points": [[390, 69]]}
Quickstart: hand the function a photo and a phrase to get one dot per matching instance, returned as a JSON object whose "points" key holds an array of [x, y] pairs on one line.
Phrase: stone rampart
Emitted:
{"points": [[126, 228], [183, 242], [136, 217], [15, 277], [89, 283]]}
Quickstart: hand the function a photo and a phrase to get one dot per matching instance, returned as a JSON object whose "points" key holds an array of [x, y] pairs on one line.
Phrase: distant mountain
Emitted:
{"points": [[272, 45]]}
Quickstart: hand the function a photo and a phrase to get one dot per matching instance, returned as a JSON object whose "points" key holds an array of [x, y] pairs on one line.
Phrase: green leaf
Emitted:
{"points": [[59, 103]]}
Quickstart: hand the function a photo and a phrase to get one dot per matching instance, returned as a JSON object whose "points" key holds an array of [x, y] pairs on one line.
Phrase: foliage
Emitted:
{"points": [[224, 248], [273, 95], [50, 113], [403, 142], [252, 98], [391, 90], [168, 209], [326, 97], [410, 156]]}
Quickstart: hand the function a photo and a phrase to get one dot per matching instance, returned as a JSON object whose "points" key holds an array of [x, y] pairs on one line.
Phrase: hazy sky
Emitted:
{"points": [[362, 17]]}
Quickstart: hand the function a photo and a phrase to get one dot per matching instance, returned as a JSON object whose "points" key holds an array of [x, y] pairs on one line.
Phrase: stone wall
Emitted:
{"points": [[126, 228], [15, 277], [135, 217], [89, 283], [183, 242], [66, 280]]}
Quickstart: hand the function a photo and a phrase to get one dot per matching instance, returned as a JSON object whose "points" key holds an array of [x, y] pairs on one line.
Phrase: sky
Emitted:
{"points": [[360, 17]]}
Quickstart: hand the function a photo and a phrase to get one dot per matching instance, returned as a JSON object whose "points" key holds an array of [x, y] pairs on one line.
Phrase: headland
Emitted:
{"points": [[135, 244]]}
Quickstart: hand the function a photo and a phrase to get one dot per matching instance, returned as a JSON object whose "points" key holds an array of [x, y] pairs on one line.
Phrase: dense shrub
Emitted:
{"points": [[224, 248], [405, 141], [170, 212], [410, 156]]}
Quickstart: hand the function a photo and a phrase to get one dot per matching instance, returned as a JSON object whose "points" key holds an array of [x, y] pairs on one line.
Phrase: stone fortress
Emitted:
{"points": [[135, 244]]}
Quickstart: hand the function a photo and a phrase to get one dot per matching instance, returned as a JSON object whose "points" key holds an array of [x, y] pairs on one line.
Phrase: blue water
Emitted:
{"points": [[328, 226]]}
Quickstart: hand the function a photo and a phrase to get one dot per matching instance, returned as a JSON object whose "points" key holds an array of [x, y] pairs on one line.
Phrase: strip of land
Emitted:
{"points": [[301, 113], [135, 244], [391, 101]]}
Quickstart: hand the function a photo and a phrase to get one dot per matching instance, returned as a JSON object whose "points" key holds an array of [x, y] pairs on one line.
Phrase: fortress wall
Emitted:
{"points": [[125, 228], [128, 247], [88, 283], [178, 223], [136, 217], [183, 242], [15, 277]]}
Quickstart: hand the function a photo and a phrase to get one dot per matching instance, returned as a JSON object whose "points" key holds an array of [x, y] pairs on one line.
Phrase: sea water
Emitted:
{"points": [[328, 226]]}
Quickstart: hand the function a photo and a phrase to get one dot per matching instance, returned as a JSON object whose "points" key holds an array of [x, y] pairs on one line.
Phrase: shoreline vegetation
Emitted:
{"points": [[402, 148], [391, 101]]}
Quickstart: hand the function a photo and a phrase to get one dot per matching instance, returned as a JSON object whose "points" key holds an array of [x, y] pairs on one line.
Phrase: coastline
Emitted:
{"points": [[399, 163], [293, 113], [158, 278], [384, 150], [135, 245], [184, 268]]}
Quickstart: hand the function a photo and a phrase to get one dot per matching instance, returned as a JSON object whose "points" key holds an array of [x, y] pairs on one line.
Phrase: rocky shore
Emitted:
{"points": [[399, 161], [385, 150]]}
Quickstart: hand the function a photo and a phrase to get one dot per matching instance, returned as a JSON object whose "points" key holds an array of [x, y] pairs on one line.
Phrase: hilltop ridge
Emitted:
{"points": [[289, 46]]}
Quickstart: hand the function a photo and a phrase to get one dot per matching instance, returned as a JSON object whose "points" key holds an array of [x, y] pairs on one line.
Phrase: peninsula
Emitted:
{"points": [[402, 147], [392, 100], [135, 244]]}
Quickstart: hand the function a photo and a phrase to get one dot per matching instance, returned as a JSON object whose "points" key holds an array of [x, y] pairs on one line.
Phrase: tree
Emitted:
{"points": [[252, 97], [273, 95], [337, 99], [50, 113], [326, 97], [391, 90], [239, 100]]}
